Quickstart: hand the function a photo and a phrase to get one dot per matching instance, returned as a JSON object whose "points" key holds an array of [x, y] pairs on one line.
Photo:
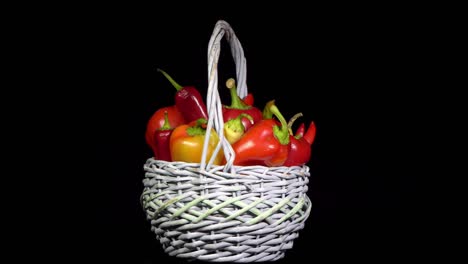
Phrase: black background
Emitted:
{"points": [[350, 69]]}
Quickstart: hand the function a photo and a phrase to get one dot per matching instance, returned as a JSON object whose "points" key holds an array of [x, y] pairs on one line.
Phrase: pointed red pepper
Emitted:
{"points": [[265, 142], [248, 99], [188, 100], [238, 107], [161, 140], [299, 148], [300, 130], [157, 121], [310, 134]]}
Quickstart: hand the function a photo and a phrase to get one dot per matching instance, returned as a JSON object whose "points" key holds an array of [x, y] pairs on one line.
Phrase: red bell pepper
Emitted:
{"points": [[161, 140], [188, 100], [238, 107], [157, 121], [265, 142]]}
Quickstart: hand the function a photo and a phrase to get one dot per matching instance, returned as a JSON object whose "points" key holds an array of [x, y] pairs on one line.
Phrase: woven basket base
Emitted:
{"points": [[252, 216]]}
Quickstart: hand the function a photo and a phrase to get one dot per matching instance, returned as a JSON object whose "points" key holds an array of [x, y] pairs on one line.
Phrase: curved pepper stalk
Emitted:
{"points": [[300, 149], [238, 106]]}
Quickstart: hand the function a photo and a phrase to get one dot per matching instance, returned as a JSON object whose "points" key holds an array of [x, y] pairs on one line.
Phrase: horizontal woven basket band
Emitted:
{"points": [[253, 215]]}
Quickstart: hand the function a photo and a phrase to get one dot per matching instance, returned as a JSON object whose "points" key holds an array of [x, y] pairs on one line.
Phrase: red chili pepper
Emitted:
{"points": [[157, 121], [299, 149], [310, 134], [238, 107], [161, 140], [189, 100], [265, 141], [248, 99], [300, 130]]}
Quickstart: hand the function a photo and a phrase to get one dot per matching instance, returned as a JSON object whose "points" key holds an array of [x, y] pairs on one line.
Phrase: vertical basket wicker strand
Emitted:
{"points": [[229, 213]]}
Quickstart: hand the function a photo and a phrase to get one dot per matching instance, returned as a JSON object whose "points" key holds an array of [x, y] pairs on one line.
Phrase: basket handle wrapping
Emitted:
{"points": [[213, 100]]}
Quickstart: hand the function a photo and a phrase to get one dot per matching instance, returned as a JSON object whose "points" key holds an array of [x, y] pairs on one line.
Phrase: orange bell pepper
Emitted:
{"points": [[186, 143]]}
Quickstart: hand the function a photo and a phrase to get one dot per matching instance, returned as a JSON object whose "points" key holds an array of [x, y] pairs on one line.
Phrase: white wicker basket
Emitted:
{"points": [[201, 211]]}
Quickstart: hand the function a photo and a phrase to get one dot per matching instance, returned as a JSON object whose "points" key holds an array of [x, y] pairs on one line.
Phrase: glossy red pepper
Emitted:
{"points": [[248, 99], [157, 121], [299, 149], [188, 100], [300, 130], [238, 107], [309, 136], [161, 140], [265, 142]]}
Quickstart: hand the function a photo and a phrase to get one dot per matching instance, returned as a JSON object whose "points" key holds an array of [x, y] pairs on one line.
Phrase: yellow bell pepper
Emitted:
{"points": [[186, 143]]}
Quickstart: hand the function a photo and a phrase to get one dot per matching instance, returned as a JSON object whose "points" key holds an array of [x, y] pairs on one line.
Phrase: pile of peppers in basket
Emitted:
{"points": [[258, 137]]}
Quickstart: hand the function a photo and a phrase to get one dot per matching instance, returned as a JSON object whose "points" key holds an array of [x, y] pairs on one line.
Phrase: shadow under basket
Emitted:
{"points": [[251, 216]]}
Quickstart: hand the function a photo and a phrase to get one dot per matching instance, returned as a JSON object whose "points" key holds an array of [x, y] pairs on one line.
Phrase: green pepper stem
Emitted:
{"points": [[166, 125], [267, 114], [197, 129], [234, 129], [236, 102], [282, 134], [174, 83], [236, 124]]}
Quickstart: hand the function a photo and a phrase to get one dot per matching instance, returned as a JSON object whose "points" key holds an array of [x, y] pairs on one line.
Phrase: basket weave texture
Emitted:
{"points": [[228, 213]]}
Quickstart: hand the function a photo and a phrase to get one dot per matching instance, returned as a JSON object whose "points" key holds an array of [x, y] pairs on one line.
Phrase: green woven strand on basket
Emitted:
{"points": [[284, 209], [188, 206], [268, 212], [306, 214], [169, 202], [292, 212], [244, 209], [160, 204], [218, 207], [211, 204], [251, 209], [152, 196]]}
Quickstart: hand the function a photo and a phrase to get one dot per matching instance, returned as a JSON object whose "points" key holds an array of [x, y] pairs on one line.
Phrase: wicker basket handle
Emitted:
{"points": [[214, 104]]}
